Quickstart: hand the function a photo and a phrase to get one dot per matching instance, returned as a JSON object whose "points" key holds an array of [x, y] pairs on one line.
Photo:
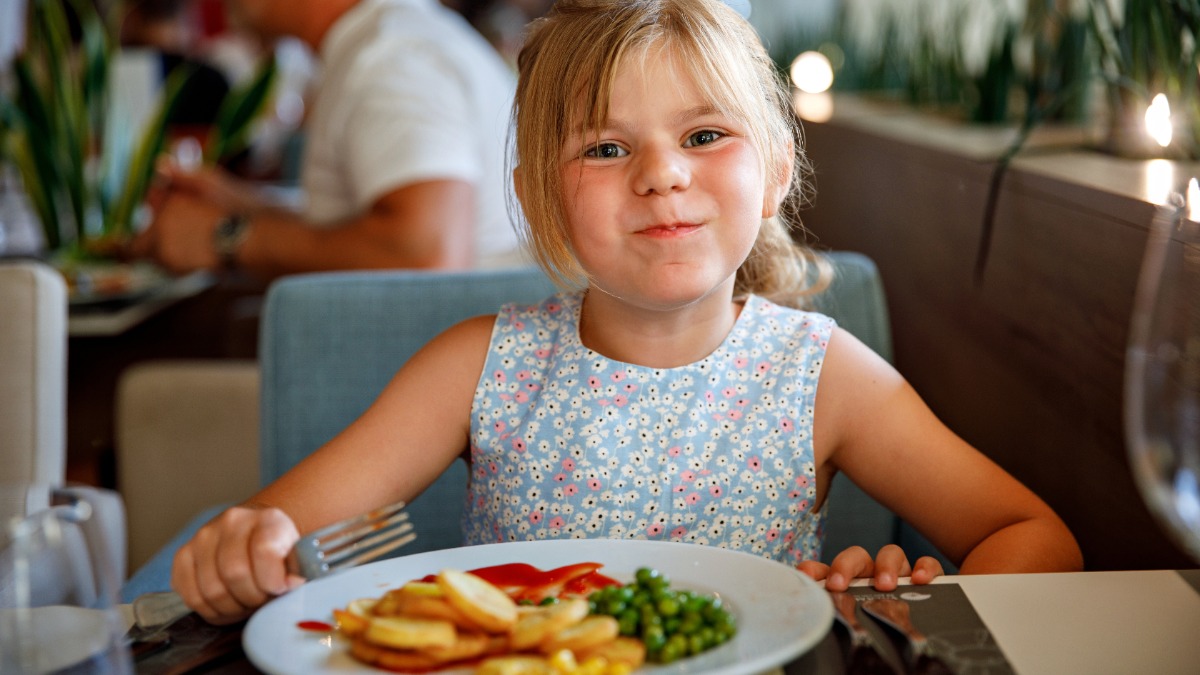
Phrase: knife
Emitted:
{"points": [[865, 655], [894, 613]]}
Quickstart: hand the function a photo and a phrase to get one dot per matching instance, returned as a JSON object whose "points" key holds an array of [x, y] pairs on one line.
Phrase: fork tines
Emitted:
{"points": [[358, 540]]}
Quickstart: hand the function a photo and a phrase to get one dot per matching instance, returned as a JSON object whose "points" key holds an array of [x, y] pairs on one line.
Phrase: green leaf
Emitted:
{"points": [[32, 129], [150, 145], [97, 53], [238, 111]]}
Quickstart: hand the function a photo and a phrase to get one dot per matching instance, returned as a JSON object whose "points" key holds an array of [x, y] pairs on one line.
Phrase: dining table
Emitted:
{"points": [[1093, 622]]}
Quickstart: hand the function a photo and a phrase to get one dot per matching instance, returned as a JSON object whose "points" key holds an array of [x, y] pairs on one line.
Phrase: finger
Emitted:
{"points": [[890, 564], [186, 578], [183, 580], [213, 539], [926, 570], [814, 569], [850, 564], [273, 539], [233, 565]]}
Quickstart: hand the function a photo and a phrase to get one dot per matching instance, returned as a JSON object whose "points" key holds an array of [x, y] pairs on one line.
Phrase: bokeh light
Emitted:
{"points": [[811, 72]]}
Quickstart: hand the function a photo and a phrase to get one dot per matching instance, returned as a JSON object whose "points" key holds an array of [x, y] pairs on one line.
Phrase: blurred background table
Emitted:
{"points": [[198, 316]]}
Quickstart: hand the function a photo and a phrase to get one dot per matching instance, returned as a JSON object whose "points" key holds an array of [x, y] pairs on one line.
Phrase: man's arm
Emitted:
{"points": [[423, 225]]}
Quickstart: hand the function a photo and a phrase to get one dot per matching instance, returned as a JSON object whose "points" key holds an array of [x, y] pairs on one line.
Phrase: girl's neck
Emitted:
{"points": [[655, 338]]}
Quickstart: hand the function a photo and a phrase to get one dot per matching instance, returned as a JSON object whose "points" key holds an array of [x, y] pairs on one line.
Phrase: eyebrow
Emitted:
{"points": [[683, 117]]}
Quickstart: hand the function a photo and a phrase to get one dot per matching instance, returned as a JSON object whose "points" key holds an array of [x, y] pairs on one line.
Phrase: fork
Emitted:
{"points": [[336, 547]]}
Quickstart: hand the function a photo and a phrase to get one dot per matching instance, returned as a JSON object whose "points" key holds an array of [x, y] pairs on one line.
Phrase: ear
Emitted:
{"points": [[777, 185]]}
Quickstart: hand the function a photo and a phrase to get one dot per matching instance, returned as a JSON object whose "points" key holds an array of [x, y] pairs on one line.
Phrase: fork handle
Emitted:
{"points": [[159, 610]]}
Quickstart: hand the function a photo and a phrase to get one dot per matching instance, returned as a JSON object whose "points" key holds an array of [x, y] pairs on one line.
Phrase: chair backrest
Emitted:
{"points": [[33, 367], [331, 342]]}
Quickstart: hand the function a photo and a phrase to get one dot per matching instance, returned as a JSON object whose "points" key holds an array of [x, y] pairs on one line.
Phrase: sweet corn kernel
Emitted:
{"points": [[593, 665], [563, 661]]}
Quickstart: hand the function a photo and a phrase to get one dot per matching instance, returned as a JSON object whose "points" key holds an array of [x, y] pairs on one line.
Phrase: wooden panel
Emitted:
{"points": [[1028, 364]]}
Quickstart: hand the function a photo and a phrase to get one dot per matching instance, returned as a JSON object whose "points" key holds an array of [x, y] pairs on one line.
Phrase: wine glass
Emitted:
{"points": [[58, 588], [1162, 371]]}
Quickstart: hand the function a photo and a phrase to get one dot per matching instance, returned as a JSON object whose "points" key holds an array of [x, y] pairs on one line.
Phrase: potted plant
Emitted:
{"points": [[85, 176], [1148, 50]]}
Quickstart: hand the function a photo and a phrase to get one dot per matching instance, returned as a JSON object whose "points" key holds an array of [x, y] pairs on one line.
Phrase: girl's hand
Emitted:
{"points": [[885, 570], [236, 563]]}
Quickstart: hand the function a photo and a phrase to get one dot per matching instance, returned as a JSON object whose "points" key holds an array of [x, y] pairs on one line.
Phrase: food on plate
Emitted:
{"points": [[482, 603], [518, 620], [536, 626], [671, 624]]}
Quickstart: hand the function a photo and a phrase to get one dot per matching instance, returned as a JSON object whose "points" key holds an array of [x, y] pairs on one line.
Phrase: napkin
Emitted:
{"points": [[949, 621]]}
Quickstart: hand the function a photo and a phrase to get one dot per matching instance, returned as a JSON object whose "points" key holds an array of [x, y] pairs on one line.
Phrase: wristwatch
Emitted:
{"points": [[231, 231]]}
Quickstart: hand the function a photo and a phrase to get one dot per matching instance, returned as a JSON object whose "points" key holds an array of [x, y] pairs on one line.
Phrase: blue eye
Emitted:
{"points": [[605, 151], [703, 138]]}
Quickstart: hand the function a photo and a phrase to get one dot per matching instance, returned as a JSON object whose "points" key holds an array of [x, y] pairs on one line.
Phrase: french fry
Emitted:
{"points": [[591, 632], [515, 665], [405, 633], [540, 623], [627, 650], [482, 603]]}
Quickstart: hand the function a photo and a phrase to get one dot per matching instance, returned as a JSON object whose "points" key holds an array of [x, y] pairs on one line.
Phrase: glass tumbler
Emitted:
{"points": [[58, 591]]}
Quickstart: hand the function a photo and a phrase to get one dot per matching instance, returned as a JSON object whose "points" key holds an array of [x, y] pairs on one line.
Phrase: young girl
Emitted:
{"points": [[655, 148]]}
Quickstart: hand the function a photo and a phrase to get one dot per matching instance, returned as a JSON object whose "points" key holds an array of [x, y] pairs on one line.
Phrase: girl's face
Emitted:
{"points": [[665, 204]]}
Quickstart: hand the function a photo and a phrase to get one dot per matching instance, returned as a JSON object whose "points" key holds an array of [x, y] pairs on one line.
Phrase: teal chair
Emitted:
{"points": [[330, 343]]}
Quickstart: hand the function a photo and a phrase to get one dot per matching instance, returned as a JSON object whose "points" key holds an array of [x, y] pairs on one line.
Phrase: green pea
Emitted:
{"points": [[612, 606], [713, 608], [628, 622], [654, 638], [668, 606], [640, 599]]}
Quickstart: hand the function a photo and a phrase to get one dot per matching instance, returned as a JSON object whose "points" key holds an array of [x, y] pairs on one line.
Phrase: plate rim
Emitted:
{"points": [[821, 622]]}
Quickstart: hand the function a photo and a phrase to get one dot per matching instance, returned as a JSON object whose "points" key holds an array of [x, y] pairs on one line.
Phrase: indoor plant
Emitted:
{"points": [[85, 174]]}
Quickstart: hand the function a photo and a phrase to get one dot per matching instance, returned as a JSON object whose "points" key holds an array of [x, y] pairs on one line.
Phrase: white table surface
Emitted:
{"points": [[103, 323], [1130, 622], [1144, 622]]}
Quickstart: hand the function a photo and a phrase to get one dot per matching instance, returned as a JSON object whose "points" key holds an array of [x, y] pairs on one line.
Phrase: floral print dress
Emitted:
{"points": [[566, 443]]}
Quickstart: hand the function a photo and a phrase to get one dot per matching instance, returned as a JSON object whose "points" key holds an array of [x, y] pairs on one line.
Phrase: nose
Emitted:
{"points": [[661, 171]]}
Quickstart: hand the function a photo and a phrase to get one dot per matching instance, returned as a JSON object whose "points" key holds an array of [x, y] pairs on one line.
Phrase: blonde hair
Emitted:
{"points": [[567, 70]]}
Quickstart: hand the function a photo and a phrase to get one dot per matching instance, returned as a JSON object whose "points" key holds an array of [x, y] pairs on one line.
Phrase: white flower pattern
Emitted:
{"points": [[566, 443]]}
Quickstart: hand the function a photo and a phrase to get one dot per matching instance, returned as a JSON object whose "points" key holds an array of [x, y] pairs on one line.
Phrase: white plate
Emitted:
{"points": [[781, 613]]}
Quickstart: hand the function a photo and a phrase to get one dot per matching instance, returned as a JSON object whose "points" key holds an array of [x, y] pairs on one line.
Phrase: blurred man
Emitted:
{"points": [[404, 159]]}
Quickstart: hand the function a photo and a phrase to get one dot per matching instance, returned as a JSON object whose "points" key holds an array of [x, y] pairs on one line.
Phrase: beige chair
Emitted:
{"points": [[33, 367], [33, 386], [186, 438]]}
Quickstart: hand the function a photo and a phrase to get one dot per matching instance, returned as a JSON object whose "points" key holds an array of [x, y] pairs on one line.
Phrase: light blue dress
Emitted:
{"points": [[566, 443]]}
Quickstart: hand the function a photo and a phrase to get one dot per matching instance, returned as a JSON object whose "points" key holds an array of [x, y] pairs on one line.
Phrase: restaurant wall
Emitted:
{"points": [[1027, 362]]}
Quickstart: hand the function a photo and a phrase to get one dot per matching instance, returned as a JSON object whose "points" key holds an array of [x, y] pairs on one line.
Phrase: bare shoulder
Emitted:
{"points": [[850, 364], [439, 381], [465, 342], [855, 383]]}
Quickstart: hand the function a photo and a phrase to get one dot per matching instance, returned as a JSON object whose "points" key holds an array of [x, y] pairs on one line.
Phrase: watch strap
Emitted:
{"points": [[230, 233]]}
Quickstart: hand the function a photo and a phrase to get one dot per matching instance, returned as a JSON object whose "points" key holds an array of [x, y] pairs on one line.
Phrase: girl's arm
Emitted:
{"points": [[871, 424], [400, 445]]}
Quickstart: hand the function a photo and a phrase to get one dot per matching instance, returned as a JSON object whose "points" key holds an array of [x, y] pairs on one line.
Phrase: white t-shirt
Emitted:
{"points": [[409, 92]]}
